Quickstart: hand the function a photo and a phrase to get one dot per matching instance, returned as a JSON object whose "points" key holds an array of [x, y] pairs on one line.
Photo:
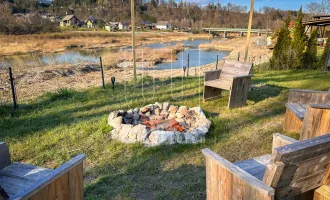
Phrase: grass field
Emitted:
{"points": [[52, 129]]}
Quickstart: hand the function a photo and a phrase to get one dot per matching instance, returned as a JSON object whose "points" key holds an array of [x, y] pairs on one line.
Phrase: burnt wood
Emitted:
{"points": [[234, 77]]}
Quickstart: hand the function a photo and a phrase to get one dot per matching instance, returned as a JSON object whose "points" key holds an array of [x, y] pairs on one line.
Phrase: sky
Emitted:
{"points": [[282, 4]]}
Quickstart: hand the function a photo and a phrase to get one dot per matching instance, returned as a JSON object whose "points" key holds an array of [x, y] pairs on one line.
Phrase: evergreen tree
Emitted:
{"points": [[282, 51], [298, 42], [324, 56], [310, 59]]}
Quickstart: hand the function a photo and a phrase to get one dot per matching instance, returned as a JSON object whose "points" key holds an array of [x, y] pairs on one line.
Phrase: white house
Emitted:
{"points": [[123, 26], [163, 25]]}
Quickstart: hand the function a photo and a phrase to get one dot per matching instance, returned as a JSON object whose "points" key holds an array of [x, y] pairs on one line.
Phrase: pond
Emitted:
{"points": [[197, 57]]}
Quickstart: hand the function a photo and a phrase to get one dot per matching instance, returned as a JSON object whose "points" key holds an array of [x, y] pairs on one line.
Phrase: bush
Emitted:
{"points": [[309, 57]]}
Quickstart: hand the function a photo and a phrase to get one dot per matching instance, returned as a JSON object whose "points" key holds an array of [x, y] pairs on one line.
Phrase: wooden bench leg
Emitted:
{"points": [[291, 123], [316, 123], [211, 93], [239, 92]]}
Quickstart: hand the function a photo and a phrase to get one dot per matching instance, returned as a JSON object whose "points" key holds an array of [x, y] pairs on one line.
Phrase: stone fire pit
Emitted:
{"points": [[159, 123]]}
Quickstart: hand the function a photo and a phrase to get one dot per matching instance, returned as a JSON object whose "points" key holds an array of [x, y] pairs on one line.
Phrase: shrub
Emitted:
{"points": [[323, 59], [298, 42], [309, 57]]}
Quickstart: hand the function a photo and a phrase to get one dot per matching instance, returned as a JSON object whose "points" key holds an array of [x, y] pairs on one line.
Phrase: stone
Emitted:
{"points": [[164, 113], [129, 115], [173, 109], [141, 132], [128, 120], [144, 109], [171, 116], [180, 120], [179, 115], [159, 105], [123, 133], [148, 114], [198, 111], [157, 111], [116, 122], [179, 137], [136, 110], [166, 105], [162, 137], [203, 129], [203, 122], [136, 116], [112, 116], [183, 110]]}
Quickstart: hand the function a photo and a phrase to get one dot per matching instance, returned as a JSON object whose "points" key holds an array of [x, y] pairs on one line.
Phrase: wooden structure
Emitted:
{"points": [[308, 111], [322, 193], [234, 76], [292, 172], [321, 22], [23, 181]]}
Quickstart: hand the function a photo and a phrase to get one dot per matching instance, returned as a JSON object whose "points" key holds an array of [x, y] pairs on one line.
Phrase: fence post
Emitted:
{"points": [[188, 66], [13, 88], [103, 84], [216, 66], [238, 56]]}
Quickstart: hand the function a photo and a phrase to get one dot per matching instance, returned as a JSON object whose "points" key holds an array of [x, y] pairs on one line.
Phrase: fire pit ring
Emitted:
{"points": [[159, 124]]}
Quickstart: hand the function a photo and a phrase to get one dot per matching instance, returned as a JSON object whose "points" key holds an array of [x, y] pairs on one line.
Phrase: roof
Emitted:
{"points": [[164, 23], [317, 22], [67, 18]]}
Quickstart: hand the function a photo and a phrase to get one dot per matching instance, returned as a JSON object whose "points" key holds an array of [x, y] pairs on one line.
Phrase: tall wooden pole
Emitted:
{"points": [[249, 31], [133, 39]]}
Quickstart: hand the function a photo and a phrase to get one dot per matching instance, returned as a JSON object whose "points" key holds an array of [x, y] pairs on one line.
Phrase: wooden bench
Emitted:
{"points": [[293, 171], [308, 112], [234, 76], [23, 181]]}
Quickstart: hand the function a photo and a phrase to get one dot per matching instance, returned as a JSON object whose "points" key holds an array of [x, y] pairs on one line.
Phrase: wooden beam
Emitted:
{"points": [[249, 31]]}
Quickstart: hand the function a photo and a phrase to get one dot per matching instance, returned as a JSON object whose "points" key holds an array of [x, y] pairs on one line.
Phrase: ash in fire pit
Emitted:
{"points": [[159, 123]]}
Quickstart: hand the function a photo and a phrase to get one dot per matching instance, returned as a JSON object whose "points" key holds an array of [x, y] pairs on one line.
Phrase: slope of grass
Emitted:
{"points": [[52, 129]]}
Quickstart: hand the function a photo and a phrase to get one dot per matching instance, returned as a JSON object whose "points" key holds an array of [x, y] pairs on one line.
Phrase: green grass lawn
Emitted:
{"points": [[49, 131]]}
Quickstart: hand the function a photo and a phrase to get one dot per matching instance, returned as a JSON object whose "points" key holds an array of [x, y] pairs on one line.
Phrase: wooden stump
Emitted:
{"points": [[292, 123]]}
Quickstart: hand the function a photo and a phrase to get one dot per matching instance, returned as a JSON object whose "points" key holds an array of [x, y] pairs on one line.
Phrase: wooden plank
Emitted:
{"points": [[322, 193], [280, 140], [273, 173], [58, 172], [316, 123], [25, 172], [212, 75], [4, 155], [308, 97], [306, 164], [255, 166], [211, 93], [297, 109], [291, 123], [221, 84], [239, 92], [239, 174]]}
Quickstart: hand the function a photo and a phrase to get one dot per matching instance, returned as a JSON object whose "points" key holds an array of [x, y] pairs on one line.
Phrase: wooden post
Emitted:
{"points": [[216, 66], [13, 88], [249, 31], [326, 67], [188, 66], [133, 40], [102, 73]]}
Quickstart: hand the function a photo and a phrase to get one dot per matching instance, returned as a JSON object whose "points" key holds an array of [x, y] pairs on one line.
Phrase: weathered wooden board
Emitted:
{"points": [[211, 93], [239, 92], [322, 193], [316, 122], [255, 166], [308, 97], [297, 109], [306, 165], [225, 180], [291, 123], [212, 75], [280, 140], [4, 155]]}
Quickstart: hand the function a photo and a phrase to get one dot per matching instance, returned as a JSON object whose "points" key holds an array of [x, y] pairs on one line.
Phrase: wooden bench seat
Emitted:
{"points": [[23, 181], [18, 177], [255, 166], [308, 112], [292, 172], [233, 76]]}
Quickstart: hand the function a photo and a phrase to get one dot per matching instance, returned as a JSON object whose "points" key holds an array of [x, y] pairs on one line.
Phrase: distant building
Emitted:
{"points": [[114, 26], [69, 20], [91, 22], [163, 25], [123, 26]]}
